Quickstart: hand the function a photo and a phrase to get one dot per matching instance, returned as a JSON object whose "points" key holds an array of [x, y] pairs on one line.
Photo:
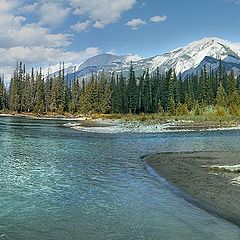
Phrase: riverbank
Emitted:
{"points": [[119, 123], [198, 175], [66, 116]]}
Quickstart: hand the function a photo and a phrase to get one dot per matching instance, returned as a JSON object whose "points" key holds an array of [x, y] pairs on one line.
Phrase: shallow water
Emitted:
{"points": [[60, 183]]}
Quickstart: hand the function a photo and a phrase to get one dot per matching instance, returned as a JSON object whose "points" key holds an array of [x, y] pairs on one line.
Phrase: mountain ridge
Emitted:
{"points": [[185, 60]]}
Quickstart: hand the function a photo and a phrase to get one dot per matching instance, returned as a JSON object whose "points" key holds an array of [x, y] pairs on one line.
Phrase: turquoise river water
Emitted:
{"points": [[64, 184]]}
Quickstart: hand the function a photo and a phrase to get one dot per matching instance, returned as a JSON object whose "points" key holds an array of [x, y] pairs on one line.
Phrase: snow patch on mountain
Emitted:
{"points": [[190, 56], [185, 60]]}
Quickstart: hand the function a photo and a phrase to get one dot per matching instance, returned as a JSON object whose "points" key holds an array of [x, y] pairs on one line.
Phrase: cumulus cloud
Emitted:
{"points": [[81, 26], [29, 8], [33, 43], [158, 18], [13, 32], [53, 13], [42, 56], [102, 12], [6, 5], [135, 23]]}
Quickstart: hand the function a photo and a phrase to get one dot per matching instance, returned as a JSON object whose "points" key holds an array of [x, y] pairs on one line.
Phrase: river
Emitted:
{"points": [[65, 184]]}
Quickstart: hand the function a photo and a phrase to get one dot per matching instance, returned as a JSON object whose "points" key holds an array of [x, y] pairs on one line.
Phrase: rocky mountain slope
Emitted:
{"points": [[185, 60]]}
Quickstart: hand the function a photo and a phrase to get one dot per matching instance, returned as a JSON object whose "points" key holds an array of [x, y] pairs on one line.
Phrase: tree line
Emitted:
{"points": [[114, 93]]}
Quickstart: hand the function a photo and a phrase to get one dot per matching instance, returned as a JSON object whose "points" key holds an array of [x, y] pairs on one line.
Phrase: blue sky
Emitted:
{"points": [[45, 32]]}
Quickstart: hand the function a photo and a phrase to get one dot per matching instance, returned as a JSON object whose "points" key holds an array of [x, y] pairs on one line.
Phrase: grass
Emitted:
{"points": [[206, 116]]}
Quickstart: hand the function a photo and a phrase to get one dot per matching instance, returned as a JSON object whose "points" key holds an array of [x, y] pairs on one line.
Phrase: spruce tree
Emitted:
{"points": [[39, 98], [147, 94], [132, 91]]}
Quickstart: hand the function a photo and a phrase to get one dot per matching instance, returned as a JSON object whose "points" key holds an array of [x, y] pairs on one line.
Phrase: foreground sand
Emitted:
{"points": [[212, 189]]}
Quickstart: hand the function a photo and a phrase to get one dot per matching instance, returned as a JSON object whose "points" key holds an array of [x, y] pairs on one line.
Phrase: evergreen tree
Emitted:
{"points": [[123, 94], [116, 96], [132, 91], [39, 97], [221, 98], [147, 94], [15, 91], [27, 95], [171, 102], [232, 82]]}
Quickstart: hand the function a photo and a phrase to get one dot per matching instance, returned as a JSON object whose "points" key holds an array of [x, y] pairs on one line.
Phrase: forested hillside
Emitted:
{"points": [[148, 93]]}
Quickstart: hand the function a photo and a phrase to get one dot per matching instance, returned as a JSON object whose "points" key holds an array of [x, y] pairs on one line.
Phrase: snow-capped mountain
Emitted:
{"points": [[190, 56], [107, 62], [185, 60]]}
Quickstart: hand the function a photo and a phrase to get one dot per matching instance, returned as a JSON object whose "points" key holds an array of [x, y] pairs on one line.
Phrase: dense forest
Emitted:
{"points": [[104, 93]]}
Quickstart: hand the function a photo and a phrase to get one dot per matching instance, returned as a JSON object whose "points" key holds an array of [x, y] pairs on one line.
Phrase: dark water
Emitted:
{"points": [[59, 183]]}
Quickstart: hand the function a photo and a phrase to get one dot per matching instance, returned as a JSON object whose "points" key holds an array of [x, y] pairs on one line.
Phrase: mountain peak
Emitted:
{"points": [[190, 56], [188, 59]]}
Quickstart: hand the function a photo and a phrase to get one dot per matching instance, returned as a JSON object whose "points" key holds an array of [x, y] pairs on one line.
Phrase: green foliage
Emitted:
{"points": [[234, 103], [221, 98], [212, 94], [182, 109], [197, 110], [132, 96], [220, 111]]}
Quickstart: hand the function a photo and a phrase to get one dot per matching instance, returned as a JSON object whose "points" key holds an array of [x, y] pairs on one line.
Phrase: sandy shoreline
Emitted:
{"points": [[214, 191]]}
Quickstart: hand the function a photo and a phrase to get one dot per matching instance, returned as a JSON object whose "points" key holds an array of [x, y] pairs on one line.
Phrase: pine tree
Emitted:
{"points": [[171, 102], [1, 94], [205, 91], [232, 82], [221, 98], [123, 94], [132, 91], [234, 103], [116, 95], [15, 91], [27, 95], [39, 98], [88, 99], [221, 101], [156, 90], [147, 94], [75, 95]]}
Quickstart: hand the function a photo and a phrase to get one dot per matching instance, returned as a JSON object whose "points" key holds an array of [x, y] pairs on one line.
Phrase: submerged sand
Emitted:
{"points": [[197, 174]]}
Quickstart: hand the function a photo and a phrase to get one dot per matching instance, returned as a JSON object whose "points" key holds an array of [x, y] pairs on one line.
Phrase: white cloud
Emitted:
{"points": [[9, 22], [133, 58], [36, 44], [158, 18], [135, 23], [81, 26], [53, 13], [99, 25], [7, 5], [13, 32], [29, 8], [32, 43], [102, 12], [42, 56]]}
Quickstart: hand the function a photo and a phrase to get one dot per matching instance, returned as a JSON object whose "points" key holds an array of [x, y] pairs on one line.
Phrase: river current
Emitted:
{"points": [[65, 184]]}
